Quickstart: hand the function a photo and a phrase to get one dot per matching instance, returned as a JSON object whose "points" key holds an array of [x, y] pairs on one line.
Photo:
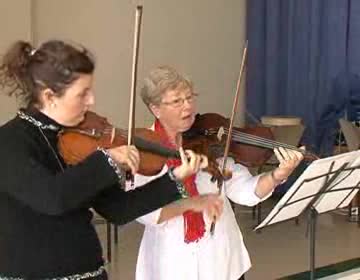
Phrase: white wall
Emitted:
{"points": [[202, 38], [14, 24]]}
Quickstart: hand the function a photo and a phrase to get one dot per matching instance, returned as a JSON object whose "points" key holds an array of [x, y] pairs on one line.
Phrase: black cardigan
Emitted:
{"points": [[46, 228]]}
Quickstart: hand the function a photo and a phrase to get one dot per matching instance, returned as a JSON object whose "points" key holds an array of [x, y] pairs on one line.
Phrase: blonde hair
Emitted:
{"points": [[159, 81]]}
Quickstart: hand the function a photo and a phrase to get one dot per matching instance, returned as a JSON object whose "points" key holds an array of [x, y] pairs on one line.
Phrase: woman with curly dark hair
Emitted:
{"points": [[46, 230]]}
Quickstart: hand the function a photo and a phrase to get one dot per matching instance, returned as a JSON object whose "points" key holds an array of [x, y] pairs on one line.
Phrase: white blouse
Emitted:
{"points": [[164, 255]]}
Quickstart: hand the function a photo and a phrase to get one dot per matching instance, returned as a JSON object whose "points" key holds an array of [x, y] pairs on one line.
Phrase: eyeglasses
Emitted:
{"points": [[179, 102]]}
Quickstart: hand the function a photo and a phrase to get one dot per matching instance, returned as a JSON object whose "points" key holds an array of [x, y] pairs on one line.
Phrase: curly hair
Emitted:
{"points": [[26, 71]]}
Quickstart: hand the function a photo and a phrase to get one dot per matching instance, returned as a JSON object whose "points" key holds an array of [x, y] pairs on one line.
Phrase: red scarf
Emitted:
{"points": [[194, 225]]}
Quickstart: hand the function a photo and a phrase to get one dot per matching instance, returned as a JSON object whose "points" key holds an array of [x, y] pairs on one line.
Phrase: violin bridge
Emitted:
{"points": [[220, 133]]}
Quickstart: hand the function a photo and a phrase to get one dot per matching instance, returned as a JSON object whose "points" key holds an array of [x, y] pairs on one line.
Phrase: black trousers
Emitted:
{"points": [[242, 277]]}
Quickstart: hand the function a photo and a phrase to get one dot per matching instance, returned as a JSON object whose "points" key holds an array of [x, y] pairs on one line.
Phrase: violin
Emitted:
{"points": [[250, 146], [75, 144]]}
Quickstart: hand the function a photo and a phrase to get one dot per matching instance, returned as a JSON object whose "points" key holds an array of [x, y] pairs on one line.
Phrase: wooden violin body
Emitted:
{"points": [[251, 146], [75, 144], [206, 128]]}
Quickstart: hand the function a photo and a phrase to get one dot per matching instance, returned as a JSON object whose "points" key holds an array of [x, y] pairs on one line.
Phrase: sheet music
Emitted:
{"points": [[341, 198], [309, 183]]}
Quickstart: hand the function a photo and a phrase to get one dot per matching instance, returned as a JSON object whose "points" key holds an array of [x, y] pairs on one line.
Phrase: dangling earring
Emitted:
{"points": [[53, 105]]}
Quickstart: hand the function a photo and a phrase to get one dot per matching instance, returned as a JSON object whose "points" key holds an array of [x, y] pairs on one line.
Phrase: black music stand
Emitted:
{"points": [[326, 185]]}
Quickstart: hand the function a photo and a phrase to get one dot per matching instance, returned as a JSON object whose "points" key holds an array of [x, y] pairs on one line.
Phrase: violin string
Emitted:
{"points": [[151, 146], [241, 137], [110, 130], [256, 140], [251, 139], [121, 132], [263, 143], [266, 143]]}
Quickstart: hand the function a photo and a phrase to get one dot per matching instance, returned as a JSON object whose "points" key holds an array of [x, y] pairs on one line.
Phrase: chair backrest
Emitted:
{"points": [[351, 134]]}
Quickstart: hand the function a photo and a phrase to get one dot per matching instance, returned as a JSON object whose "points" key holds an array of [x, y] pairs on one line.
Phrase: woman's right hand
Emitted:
{"points": [[127, 157], [191, 163], [211, 204]]}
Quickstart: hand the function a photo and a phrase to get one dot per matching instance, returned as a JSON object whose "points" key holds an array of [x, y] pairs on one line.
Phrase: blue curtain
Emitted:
{"points": [[303, 60]]}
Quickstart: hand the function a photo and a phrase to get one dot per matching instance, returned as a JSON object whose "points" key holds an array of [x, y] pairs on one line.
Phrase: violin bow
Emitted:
{"points": [[138, 16], [235, 105], [231, 125]]}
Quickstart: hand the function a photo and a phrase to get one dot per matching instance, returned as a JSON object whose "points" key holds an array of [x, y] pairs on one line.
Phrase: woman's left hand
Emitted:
{"points": [[191, 163], [289, 160]]}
